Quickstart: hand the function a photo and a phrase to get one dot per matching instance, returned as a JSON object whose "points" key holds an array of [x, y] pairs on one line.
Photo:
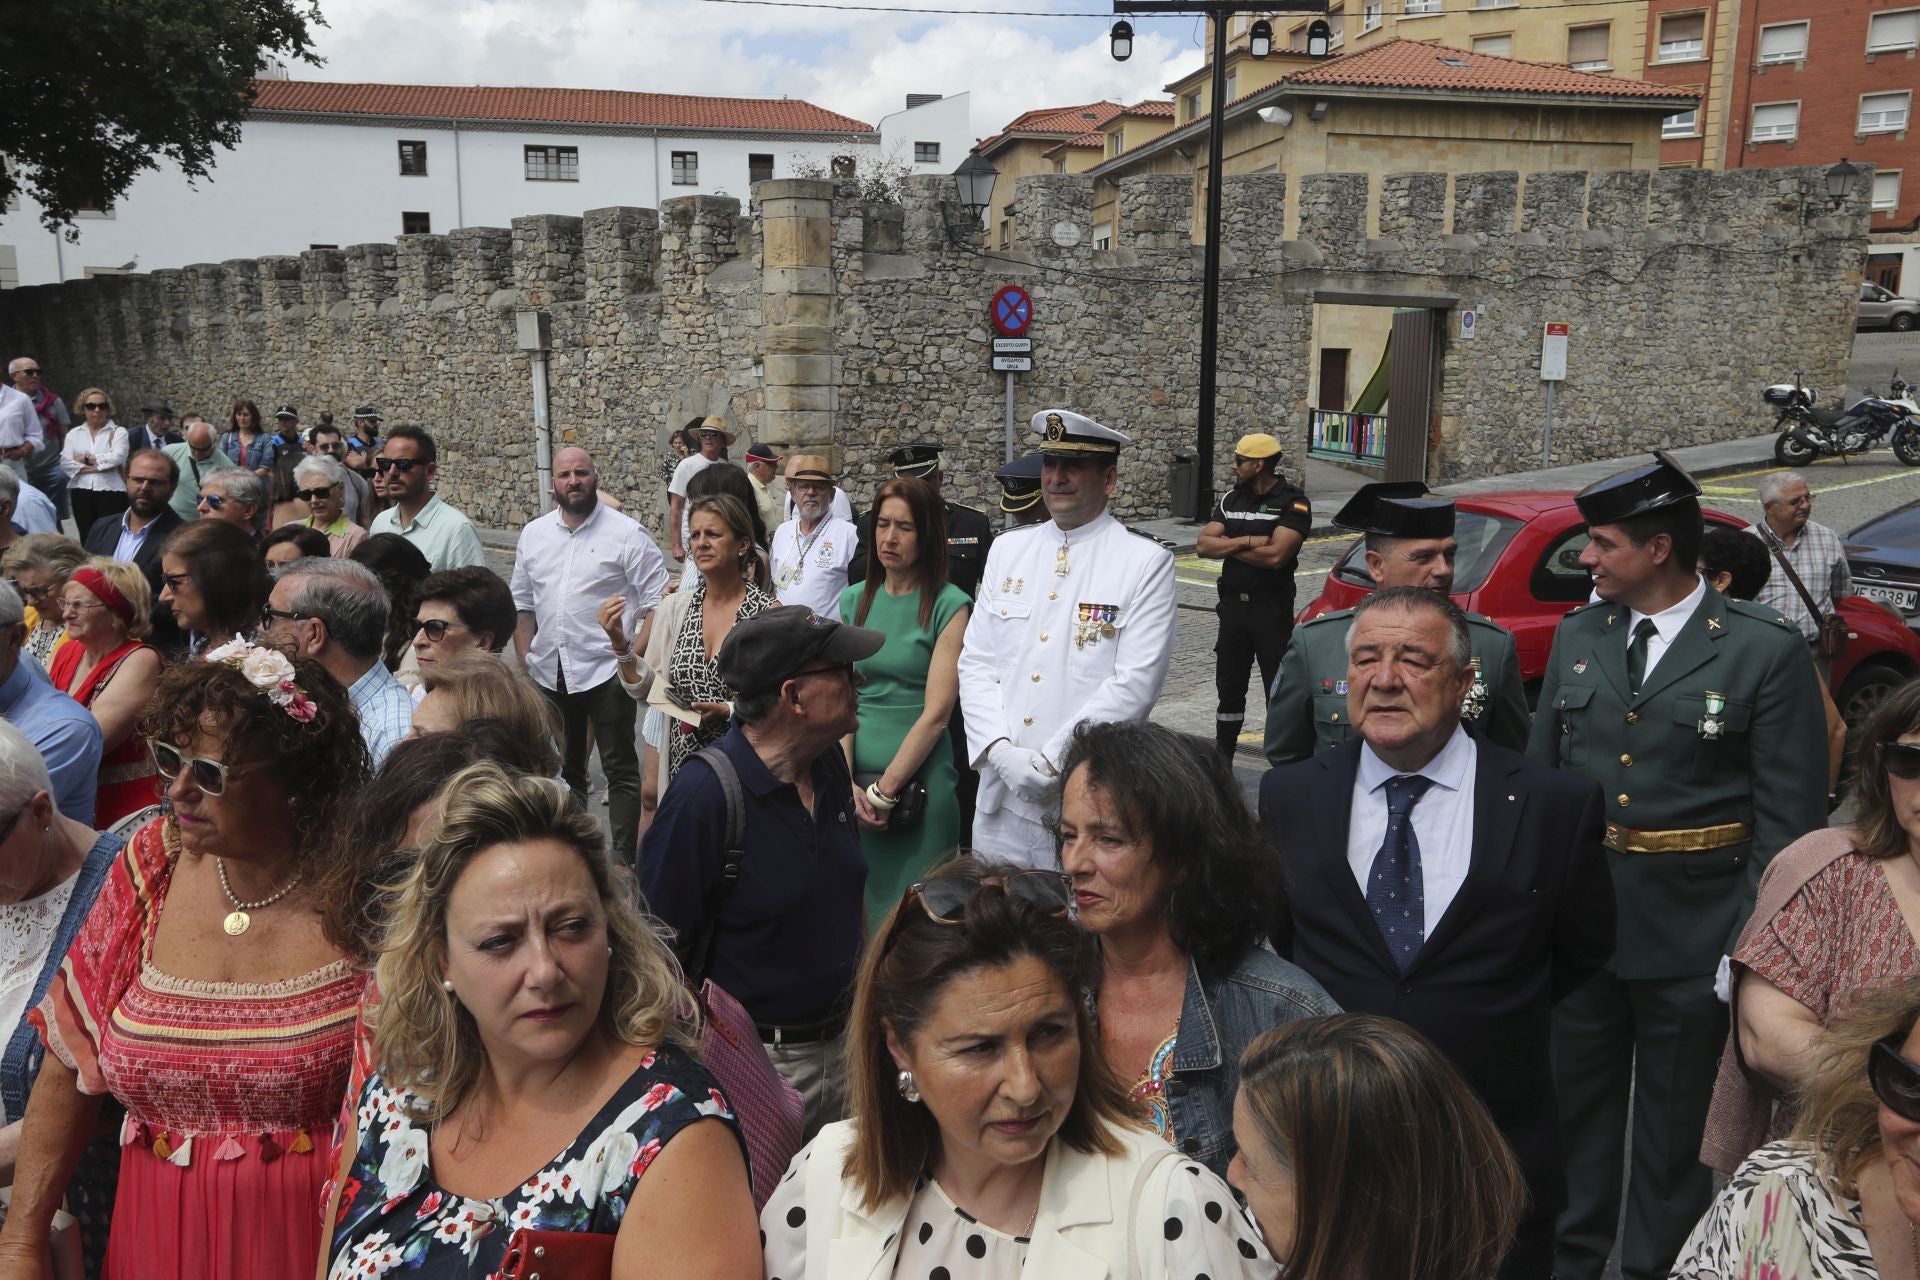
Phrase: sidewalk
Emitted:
{"points": [[1330, 486]]}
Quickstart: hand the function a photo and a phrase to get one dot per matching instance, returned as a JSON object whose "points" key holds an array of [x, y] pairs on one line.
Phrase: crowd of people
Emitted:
{"points": [[897, 871]]}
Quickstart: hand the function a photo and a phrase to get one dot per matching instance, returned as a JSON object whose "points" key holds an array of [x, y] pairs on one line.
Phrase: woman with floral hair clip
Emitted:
{"points": [[202, 993]]}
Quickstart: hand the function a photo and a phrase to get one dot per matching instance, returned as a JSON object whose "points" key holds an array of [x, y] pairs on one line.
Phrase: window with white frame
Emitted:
{"points": [[1337, 19], [1369, 15], [1783, 42], [552, 164], [1233, 79], [1776, 122], [1587, 47], [1893, 32], [1681, 124], [1886, 191], [1190, 104], [1683, 37], [1497, 46], [686, 168], [1417, 8], [1884, 112], [1103, 236]]}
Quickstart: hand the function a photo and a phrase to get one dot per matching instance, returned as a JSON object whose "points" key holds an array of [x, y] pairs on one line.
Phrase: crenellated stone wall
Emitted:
{"points": [[811, 320]]}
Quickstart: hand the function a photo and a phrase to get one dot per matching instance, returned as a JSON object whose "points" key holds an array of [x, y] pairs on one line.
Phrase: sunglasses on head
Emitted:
{"points": [[402, 465], [946, 900], [209, 775], [436, 628], [1895, 1080], [1902, 759], [313, 495]]}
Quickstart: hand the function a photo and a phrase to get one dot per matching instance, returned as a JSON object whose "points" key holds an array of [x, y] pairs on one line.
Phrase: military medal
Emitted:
{"points": [[1579, 668], [1340, 687], [1080, 628], [1106, 627], [1060, 560], [1711, 725], [1475, 702]]}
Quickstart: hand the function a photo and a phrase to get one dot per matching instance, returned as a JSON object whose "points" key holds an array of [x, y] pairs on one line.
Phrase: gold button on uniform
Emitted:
{"points": [[1028, 720], [1043, 637], [1334, 718], [1633, 717], [1036, 677], [1623, 799], [1625, 760]]}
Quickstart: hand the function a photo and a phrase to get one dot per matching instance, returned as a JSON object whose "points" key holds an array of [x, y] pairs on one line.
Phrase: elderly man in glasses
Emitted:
{"points": [[786, 941], [407, 464], [64, 733], [235, 496]]}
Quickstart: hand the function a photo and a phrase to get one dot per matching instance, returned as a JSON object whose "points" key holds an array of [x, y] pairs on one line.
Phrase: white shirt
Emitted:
{"points": [[1036, 663], [109, 449], [34, 512], [840, 509], [19, 423], [1667, 624], [683, 473], [562, 575], [1442, 821], [811, 568]]}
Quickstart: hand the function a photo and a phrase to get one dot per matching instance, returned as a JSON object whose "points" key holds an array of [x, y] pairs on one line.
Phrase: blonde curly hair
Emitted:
{"points": [[424, 1040]]}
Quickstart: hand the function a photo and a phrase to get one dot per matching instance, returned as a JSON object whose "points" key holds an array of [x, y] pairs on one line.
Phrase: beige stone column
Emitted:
{"points": [[796, 239]]}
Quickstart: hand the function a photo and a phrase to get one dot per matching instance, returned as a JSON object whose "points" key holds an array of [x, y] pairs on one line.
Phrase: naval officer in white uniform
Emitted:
{"points": [[1074, 621]]}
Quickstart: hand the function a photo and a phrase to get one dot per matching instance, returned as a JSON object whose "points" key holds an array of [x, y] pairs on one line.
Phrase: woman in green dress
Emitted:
{"points": [[911, 685]]}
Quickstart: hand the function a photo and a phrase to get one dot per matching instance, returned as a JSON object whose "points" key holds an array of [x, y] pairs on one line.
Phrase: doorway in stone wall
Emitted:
{"points": [[1373, 373]]}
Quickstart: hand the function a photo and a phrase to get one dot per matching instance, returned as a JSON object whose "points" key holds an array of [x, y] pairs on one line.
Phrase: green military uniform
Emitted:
{"points": [[1710, 769], [1307, 713]]}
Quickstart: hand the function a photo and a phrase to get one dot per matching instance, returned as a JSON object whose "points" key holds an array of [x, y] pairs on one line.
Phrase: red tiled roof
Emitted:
{"points": [[1060, 123], [1422, 64], [1094, 138], [1161, 107], [552, 106]]}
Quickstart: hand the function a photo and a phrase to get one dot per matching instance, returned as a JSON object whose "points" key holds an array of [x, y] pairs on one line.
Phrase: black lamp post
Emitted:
{"points": [[1220, 11], [1840, 181], [974, 178], [1122, 38]]}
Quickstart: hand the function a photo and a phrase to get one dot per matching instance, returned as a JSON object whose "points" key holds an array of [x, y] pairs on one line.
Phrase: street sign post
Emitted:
{"points": [[1013, 364], [1553, 371], [1012, 313], [1013, 346], [1012, 310]]}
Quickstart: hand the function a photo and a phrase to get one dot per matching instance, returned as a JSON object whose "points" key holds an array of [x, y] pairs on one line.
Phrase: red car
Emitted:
{"points": [[1519, 564]]}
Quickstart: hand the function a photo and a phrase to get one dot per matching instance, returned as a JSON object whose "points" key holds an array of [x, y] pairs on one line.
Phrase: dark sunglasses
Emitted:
{"points": [[268, 614], [436, 628], [946, 900], [402, 465], [313, 495], [91, 405], [23, 373], [213, 500], [209, 775], [1902, 759], [32, 595], [1895, 1080]]}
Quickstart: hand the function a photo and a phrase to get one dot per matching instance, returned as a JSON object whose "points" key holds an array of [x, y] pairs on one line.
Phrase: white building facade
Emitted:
{"points": [[931, 136], [334, 165]]}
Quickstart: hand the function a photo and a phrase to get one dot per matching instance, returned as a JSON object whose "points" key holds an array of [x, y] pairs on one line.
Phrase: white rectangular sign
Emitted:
{"points": [[1013, 346], [1553, 352], [1013, 364], [1469, 324]]}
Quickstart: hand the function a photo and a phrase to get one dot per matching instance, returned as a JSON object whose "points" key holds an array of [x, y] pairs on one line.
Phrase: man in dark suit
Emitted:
{"points": [[141, 532], [1442, 880]]}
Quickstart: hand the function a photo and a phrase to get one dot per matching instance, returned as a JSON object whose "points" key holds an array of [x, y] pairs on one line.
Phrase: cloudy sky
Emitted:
{"points": [[860, 63]]}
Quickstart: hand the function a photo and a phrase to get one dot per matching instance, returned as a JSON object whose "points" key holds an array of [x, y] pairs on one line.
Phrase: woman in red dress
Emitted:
{"points": [[202, 992], [105, 667]]}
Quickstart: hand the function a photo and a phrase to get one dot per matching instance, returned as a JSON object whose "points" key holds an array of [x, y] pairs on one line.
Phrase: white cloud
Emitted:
{"points": [[862, 64]]}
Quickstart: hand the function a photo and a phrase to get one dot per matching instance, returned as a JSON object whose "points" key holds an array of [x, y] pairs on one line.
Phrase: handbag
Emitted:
{"points": [[558, 1255], [907, 806], [771, 1111], [1831, 639]]}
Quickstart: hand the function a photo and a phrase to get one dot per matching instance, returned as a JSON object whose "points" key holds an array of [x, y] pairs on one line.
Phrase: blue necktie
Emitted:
{"points": [[1396, 893]]}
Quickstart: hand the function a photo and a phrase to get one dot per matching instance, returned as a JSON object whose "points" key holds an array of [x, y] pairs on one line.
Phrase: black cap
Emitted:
{"points": [[1019, 483], [367, 411], [286, 411], [1635, 492], [914, 459], [1397, 509], [158, 406], [762, 452], [769, 649]]}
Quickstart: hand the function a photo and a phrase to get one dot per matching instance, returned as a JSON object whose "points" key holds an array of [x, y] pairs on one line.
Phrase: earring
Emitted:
{"points": [[446, 985], [908, 1089]]}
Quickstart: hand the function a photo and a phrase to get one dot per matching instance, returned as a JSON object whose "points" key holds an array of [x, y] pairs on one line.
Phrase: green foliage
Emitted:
{"points": [[94, 91]]}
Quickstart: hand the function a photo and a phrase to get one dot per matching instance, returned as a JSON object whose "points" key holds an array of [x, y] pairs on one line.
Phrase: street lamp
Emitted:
{"points": [[1319, 38], [1260, 39], [1122, 40], [1840, 181], [974, 178]]}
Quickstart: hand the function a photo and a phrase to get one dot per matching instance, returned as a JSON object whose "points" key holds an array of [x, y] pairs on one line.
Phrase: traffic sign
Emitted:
{"points": [[1013, 364], [1003, 346], [1012, 310], [1553, 352], [1469, 324]]}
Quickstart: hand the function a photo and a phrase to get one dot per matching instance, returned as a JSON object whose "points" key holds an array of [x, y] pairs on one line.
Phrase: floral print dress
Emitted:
{"points": [[1776, 1220], [395, 1220]]}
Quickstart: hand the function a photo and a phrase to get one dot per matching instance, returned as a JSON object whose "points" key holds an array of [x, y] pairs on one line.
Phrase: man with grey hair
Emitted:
{"points": [[1815, 552], [198, 458], [64, 733], [235, 496], [23, 509], [321, 483], [1445, 881], [43, 470], [335, 612]]}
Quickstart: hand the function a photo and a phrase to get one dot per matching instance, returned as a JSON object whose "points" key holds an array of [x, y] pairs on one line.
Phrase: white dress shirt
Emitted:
{"points": [[1666, 624], [561, 575], [19, 423], [1442, 821], [109, 450], [811, 568]]}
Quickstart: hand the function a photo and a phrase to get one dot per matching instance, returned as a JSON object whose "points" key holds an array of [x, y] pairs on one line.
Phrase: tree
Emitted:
{"points": [[94, 91]]}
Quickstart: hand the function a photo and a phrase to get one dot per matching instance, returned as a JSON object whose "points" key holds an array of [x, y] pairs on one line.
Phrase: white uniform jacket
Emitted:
{"points": [[1067, 627]]}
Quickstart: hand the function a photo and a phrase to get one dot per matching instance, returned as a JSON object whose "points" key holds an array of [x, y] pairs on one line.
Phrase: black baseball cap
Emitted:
{"points": [[762, 452], [767, 650]]}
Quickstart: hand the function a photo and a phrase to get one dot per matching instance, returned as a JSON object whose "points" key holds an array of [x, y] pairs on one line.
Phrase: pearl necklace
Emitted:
{"points": [[238, 921]]}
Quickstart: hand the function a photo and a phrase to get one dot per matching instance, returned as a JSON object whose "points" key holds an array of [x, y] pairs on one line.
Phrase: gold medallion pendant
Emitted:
{"points": [[237, 923]]}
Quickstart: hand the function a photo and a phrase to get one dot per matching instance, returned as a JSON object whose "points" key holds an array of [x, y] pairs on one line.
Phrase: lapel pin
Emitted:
{"points": [[1713, 624], [1580, 667]]}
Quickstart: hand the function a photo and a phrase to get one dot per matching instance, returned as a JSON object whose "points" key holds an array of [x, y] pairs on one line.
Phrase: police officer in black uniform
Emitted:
{"points": [[1020, 490], [969, 534], [1256, 531]]}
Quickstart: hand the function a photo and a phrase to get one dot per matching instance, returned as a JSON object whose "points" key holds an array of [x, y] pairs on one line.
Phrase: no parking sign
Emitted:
{"points": [[1012, 310]]}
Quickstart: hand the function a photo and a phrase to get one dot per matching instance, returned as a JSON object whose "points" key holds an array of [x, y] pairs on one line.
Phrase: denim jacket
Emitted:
{"points": [[1218, 1020]]}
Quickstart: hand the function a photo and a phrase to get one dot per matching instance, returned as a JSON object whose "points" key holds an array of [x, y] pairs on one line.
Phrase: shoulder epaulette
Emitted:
{"points": [[1154, 538], [1326, 617], [1761, 613]]}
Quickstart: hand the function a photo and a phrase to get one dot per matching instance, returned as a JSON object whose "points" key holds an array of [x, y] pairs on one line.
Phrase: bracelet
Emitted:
{"points": [[621, 655], [879, 801]]}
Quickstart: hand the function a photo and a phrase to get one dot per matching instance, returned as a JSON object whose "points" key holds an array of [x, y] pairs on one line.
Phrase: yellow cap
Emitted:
{"points": [[1258, 445]]}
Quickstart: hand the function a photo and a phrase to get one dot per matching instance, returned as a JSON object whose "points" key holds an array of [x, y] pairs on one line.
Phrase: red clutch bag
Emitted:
{"points": [[558, 1255]]}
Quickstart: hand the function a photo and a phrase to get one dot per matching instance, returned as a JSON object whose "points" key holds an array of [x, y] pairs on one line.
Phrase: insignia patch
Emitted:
{"points": [[1055, 427], [1782, 620], [1302, 506], [1326, 686], [1580, 667], [1609, 619], [1713, 624], [1339, 686]]}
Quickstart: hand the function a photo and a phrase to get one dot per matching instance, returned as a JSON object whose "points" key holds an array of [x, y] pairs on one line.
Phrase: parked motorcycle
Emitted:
{"points": [[1808, 432]]}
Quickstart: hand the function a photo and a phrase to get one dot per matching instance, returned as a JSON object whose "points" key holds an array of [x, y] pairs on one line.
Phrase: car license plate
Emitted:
{"points": [[1901, 598]]}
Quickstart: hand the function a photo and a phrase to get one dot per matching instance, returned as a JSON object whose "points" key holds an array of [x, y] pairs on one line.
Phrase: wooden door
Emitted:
{"points": [[1333, 379], [1410, 377]]}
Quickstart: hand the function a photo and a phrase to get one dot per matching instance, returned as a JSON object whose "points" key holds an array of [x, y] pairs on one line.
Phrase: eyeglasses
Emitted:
{"points": [[76, 606], [313, 495], [214, 501], [32, 595], [1902, 759], [1894, 1079], [402, 465], [26, 373], [268, 614], [436, 628], [946, 900], [209, 775], [94, 406]]}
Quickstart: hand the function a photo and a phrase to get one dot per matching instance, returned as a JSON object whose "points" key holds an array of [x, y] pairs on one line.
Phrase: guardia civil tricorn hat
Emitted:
{"points": [[1637, 491], [1397, 509]]}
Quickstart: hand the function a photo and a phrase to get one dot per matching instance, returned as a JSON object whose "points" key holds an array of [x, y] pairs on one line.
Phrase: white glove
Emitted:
{"points": [[1026, 772]]}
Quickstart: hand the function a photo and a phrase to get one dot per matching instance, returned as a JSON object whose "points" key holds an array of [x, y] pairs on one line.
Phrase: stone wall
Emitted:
{"points": [[814, 320]]}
